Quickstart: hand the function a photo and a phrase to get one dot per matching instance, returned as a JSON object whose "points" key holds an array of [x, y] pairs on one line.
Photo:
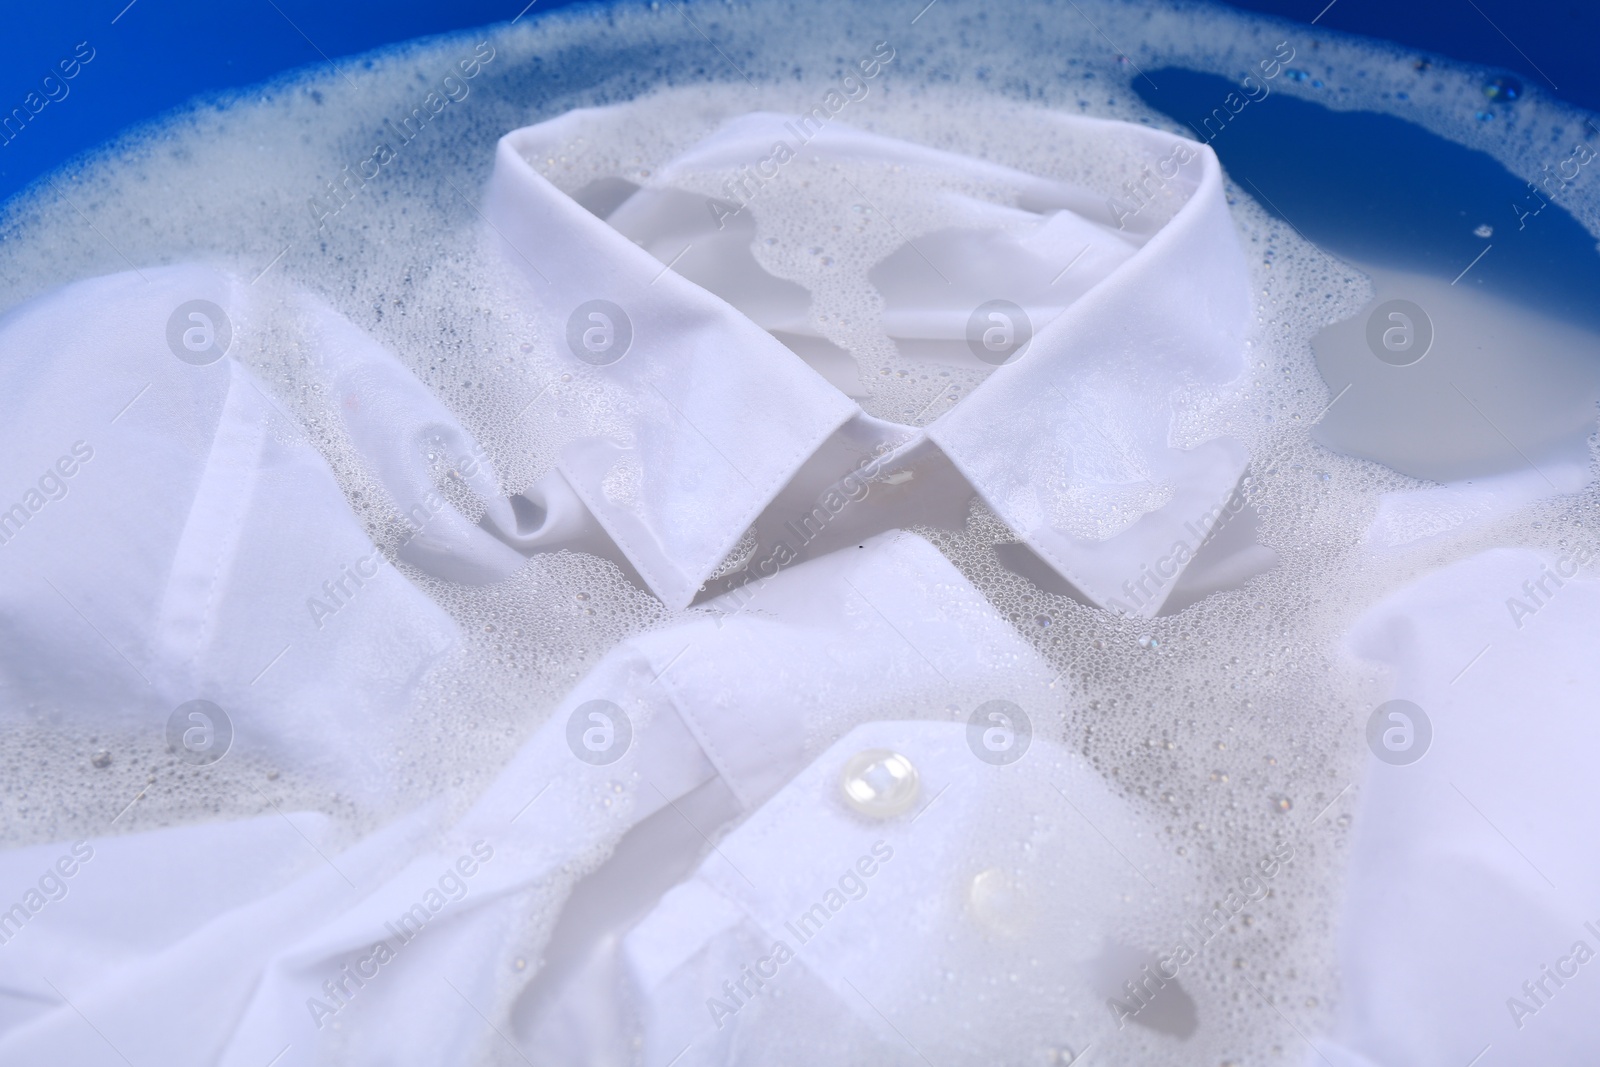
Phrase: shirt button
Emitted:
{"points": [[879, 783], [997, 902]]}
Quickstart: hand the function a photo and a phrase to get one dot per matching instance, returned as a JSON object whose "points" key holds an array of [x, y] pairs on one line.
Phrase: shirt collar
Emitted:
{"points": [[1080, 443]]}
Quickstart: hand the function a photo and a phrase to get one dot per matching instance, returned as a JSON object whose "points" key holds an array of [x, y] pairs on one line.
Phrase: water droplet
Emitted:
{"points": [[1484, 230], [1296, 75], [879, 783]]}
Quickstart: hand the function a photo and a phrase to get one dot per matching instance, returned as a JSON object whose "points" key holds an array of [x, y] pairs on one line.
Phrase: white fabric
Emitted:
{"points": [[395, 423], [894, 928], [1074, 444], [1465, 882], [180, 560], [233, 985]]}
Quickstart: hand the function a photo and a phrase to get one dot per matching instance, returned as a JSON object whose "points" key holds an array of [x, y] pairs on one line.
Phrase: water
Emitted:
{"points": [[1506, 273]]}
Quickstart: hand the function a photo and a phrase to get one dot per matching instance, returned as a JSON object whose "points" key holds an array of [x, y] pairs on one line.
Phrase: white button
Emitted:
{"points": [[997, 902], [879, 783]]}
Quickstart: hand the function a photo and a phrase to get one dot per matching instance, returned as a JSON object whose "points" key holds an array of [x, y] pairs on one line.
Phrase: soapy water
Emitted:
{"points": [[1232, 722]]}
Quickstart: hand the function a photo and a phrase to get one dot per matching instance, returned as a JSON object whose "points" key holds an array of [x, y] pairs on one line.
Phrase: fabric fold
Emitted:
{"points": [[721, 415]]}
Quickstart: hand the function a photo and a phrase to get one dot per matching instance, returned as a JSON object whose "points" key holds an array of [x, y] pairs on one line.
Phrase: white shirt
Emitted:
{"points": [[631, 910]]}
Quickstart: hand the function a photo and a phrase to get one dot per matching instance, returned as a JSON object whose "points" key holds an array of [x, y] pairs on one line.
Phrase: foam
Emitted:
{"points": [[1231, 724]]}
